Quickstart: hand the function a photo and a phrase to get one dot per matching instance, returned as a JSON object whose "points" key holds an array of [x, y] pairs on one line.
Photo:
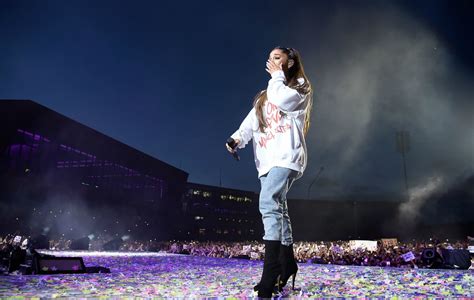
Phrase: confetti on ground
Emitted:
{"points": [[176, 276]]}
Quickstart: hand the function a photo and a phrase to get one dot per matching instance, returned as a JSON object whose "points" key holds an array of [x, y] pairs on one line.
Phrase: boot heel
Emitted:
{"points": [[293, 283]]}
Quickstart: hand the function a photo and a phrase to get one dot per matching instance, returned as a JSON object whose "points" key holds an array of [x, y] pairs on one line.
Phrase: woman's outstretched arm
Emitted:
{"points": [[245, 132]]}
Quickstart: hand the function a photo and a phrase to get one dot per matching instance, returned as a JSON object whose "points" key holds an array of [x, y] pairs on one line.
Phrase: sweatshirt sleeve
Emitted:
{"points": [[286, 98], [245, 131]]}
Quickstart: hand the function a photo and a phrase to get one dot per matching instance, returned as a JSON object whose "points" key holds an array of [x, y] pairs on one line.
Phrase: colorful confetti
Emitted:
{"points": [[166, 275]]}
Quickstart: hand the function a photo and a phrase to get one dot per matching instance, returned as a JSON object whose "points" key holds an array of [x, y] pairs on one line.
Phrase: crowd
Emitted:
{"points": [[336, 252], [393, 254]]}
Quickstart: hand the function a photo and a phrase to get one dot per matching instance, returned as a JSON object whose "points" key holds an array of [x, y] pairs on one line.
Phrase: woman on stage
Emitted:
{"points": [[277, 124]]}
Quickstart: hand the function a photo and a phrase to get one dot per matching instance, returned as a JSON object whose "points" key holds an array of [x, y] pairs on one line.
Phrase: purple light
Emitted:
{"points": [[35, 136], [15, 149], [149, 182]]}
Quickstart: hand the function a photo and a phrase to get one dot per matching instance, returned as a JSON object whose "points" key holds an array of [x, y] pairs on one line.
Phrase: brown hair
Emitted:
{"points": [[292, 75]]}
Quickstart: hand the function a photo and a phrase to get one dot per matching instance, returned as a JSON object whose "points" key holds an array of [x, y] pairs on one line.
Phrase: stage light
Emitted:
{"points": [[428, 254]]}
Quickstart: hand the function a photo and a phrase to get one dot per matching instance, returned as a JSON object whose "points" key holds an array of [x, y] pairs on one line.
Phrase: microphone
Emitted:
{"points": [[231, 143]]}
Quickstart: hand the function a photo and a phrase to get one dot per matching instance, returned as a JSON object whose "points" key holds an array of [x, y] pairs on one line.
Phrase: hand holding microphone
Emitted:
{"points": [[231, 146]]}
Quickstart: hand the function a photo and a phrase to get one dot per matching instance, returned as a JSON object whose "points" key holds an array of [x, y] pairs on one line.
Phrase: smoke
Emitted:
{"points": [[417, 196], [376, 71], [67, 214]]}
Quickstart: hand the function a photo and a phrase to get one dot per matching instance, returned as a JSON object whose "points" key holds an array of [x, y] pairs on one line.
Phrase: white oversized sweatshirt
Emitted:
{"points": [[283, 143]]}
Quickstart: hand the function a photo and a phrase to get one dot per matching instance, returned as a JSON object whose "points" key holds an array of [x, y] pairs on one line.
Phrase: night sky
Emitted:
{"points": [[175, 78]]}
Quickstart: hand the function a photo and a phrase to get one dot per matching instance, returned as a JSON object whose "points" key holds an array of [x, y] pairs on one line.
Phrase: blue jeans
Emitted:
{"points": [[273, 206]]}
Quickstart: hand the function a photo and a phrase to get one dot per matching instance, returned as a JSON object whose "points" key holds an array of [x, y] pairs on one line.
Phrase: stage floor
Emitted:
{"points": [[176, 276]]}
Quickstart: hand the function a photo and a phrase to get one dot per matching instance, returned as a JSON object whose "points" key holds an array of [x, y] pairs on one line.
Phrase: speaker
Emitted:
{"points": [[58, 265], [456, 258], [113, 245], [17, 257], [39, 242], [38, 264], [80, 244]]}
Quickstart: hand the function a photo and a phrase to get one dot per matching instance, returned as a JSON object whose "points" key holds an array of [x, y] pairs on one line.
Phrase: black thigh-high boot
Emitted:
{"points": [[288, 265], [271, 269]]}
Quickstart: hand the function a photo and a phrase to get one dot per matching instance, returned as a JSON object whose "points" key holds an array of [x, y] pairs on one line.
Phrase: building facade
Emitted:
{"points": [[62, 175], [220, 214]]}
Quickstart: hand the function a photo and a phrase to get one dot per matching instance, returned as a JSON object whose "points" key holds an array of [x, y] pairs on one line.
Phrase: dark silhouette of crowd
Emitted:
{"points": [[386, 254]]}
